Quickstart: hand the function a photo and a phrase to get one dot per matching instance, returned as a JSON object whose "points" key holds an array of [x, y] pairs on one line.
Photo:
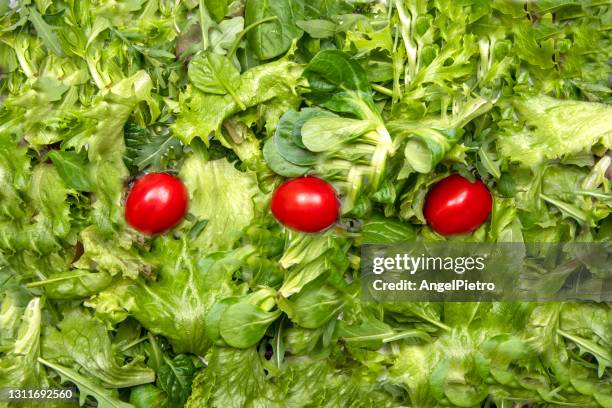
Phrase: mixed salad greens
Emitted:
{"points": [[230, 309]]}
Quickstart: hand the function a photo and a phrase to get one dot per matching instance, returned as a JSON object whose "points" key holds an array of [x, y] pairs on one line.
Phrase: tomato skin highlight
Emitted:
{"points": [[306, 204], [457, 206], [156, 203]]}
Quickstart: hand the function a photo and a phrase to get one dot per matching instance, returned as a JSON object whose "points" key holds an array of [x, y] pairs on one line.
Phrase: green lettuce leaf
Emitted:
{"points": [[19, 367], [85, 342], [222, 195], [203, 113], [555, 129], [185, 277]]}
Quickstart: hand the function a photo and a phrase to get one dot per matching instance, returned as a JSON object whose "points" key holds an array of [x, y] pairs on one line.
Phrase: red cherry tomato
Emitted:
{"points": [[456, 206], [156, 203], [306, 204]]}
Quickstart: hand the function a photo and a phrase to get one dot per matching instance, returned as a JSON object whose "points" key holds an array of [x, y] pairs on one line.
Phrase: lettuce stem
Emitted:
{"points": [[204, 21]]}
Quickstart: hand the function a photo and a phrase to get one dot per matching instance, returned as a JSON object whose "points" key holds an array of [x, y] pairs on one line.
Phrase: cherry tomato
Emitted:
{"points": [[457, 206], [156, 203], [306, 204]]}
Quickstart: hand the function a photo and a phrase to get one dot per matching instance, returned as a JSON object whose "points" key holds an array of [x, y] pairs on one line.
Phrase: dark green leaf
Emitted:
{"points": [[277, 162], [72, 168], [175, 377], [149, 150], [285, 145], [340, 84], [271, 39], [217, 8]]}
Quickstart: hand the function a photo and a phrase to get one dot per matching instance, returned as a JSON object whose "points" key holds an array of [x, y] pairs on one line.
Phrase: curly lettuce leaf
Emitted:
{"points": [[555, 129], [84, 342], [222, 195], [188, 284], [19, 367], [203, 113], [301, 381]]}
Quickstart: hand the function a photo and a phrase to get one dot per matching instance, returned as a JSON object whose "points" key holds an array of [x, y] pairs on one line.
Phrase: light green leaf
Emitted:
{"points": [[222, 195], [318, 28], [556, 128], [185, 277], [85, 342], [19, 366], [217, 8], [202, 114], [331, 134], [215, 73], [243, 324]]}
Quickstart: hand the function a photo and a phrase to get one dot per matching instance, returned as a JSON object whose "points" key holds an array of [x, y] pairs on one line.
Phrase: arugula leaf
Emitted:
{"points": [[87, 387], [45, 32], [149, 150]]}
